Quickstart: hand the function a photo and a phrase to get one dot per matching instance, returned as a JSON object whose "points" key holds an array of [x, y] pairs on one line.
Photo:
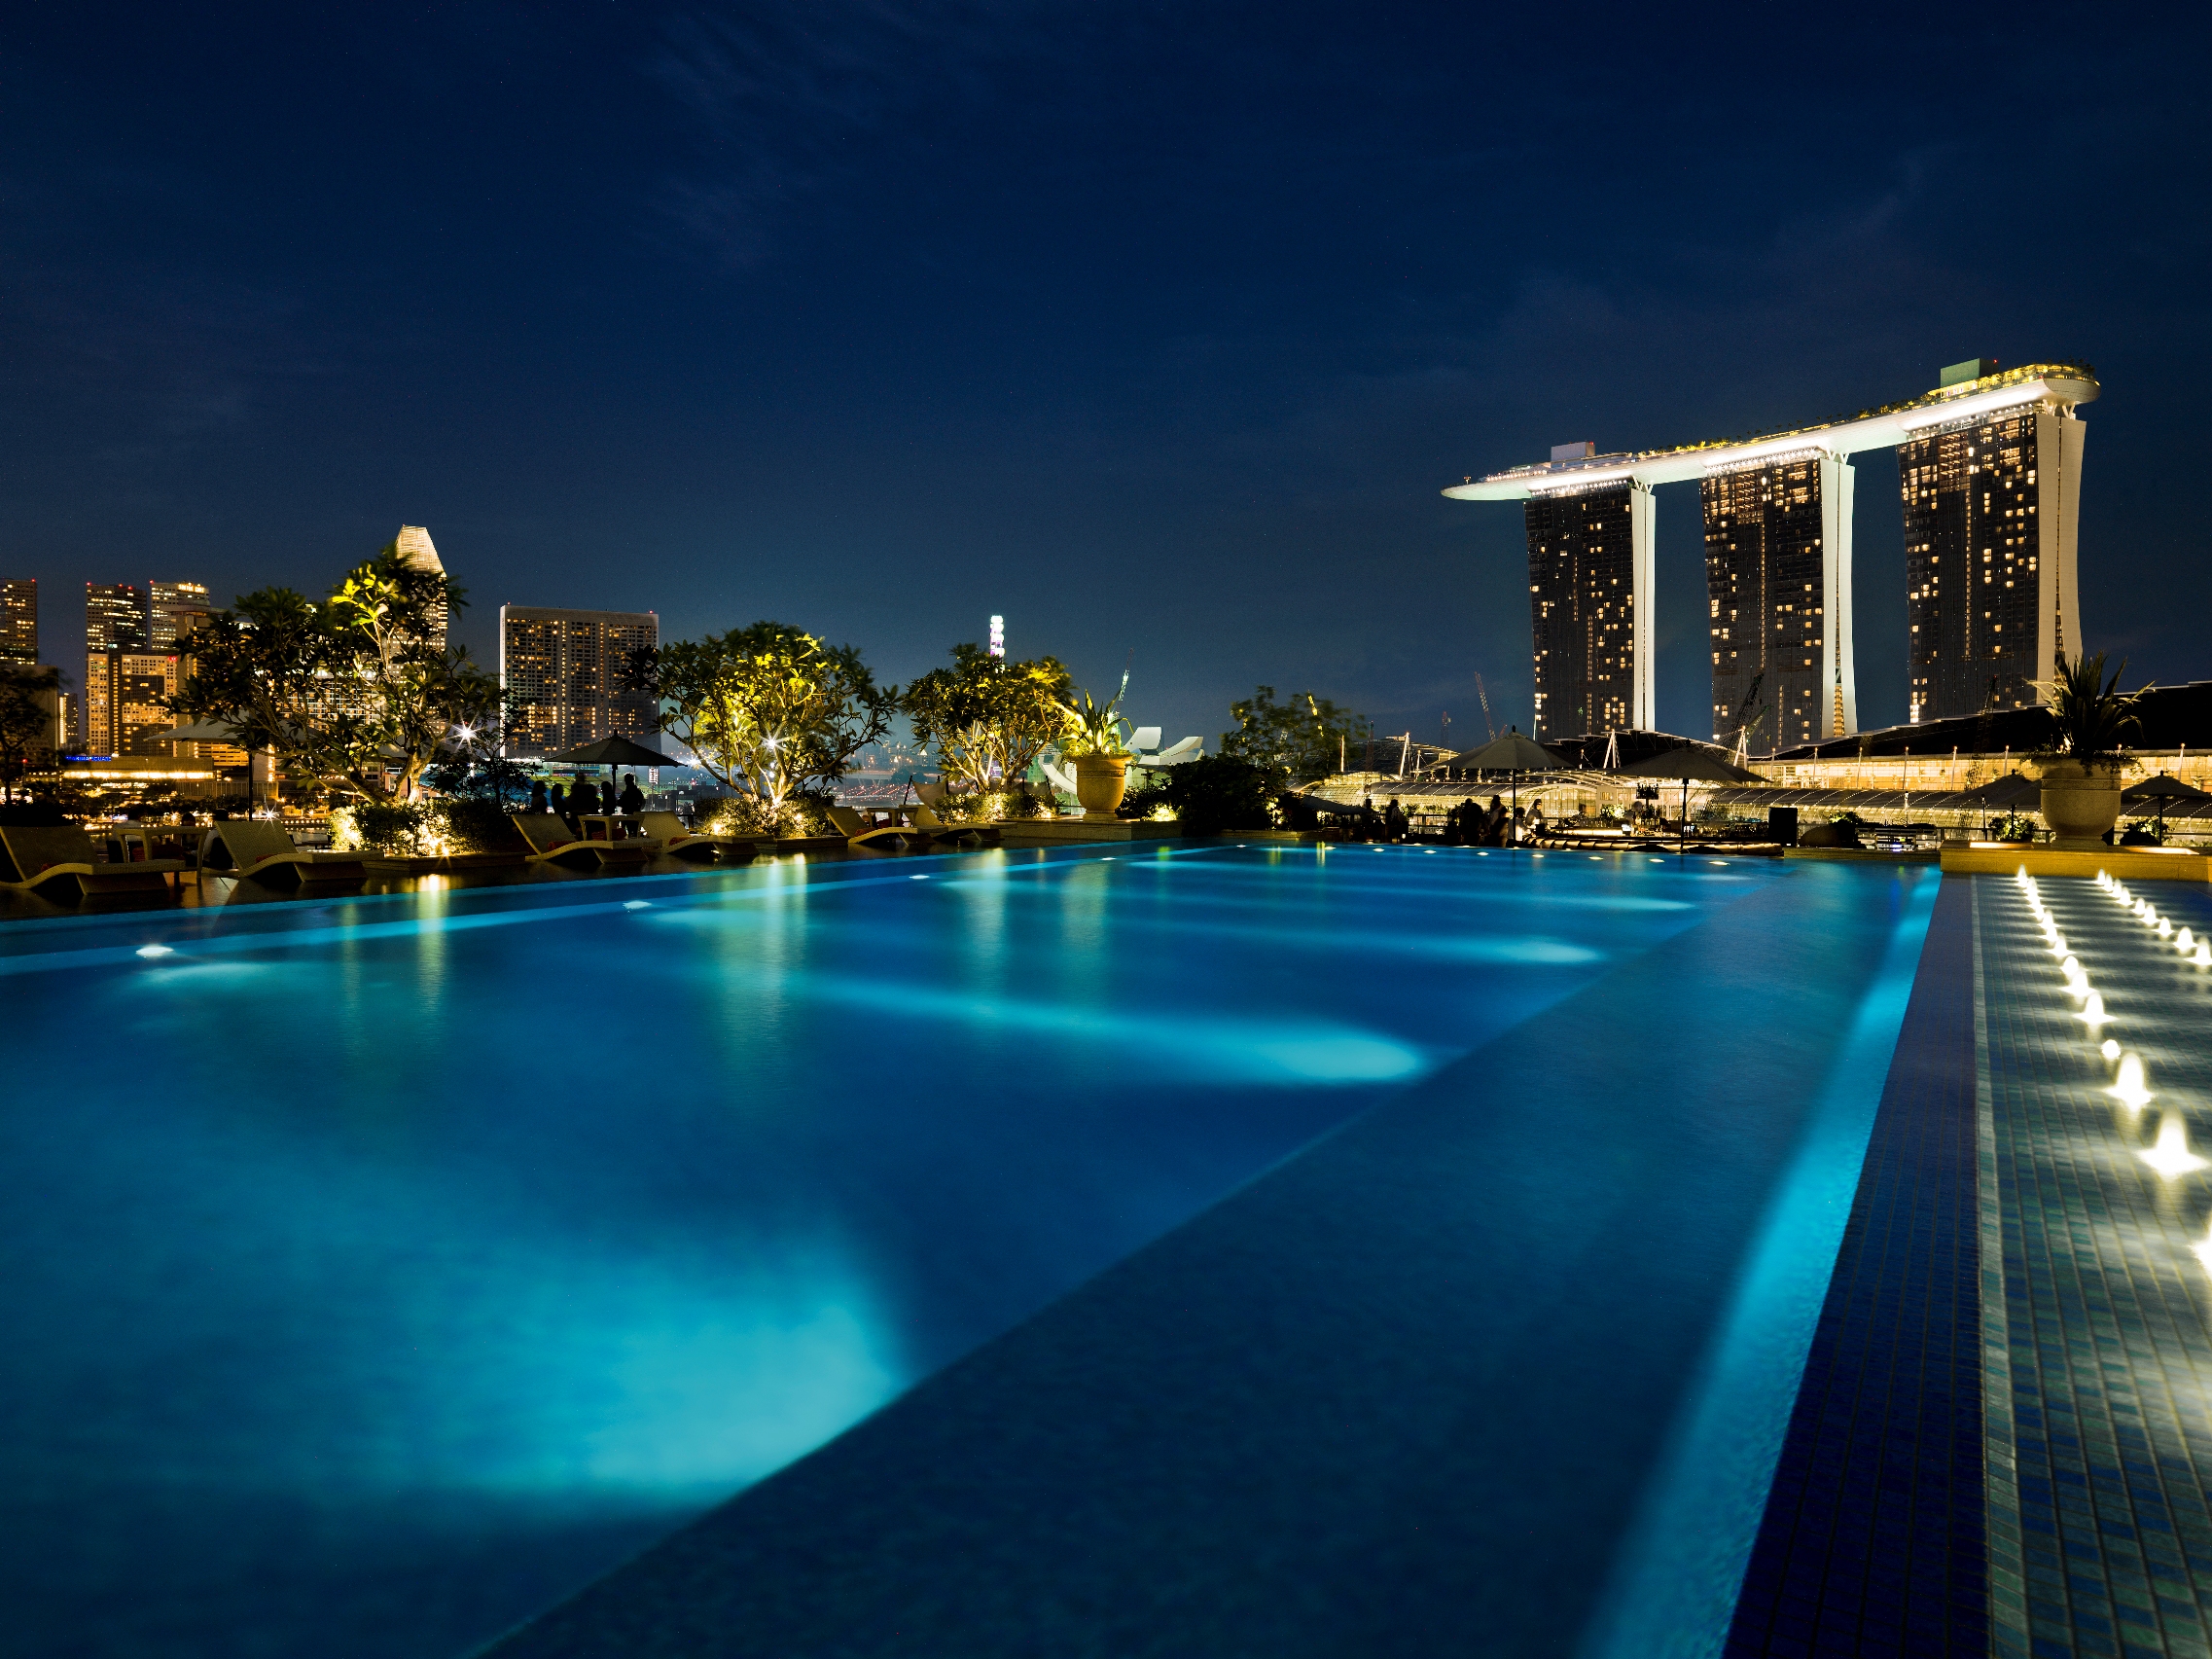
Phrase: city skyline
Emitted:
{"points": [[809, 334]]}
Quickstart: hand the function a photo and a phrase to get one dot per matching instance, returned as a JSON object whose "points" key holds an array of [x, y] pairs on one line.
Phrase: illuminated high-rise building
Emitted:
{"points": [[1991, 467], [115, 616], [18, 619], [413, 545], [1589, 563], [173, 611], [1778, 587], [565, 674], [1993, 599]]}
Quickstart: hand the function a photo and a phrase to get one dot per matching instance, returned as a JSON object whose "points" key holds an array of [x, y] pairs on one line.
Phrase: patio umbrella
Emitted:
{"points": [[2162, 789], [1511, 753], [1691, 765], [611, 752], [2011, 790]]}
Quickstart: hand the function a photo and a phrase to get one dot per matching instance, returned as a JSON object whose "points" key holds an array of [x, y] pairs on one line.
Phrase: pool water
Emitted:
{"points": [[382, 1269]]}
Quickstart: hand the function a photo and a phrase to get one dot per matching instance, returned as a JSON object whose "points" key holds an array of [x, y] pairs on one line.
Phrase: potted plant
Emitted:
{"points": [[2080, 775], [1096, 743]]}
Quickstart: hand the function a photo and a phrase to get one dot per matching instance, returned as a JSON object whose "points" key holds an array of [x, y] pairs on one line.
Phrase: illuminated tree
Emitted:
{"points": [[768, 710]]}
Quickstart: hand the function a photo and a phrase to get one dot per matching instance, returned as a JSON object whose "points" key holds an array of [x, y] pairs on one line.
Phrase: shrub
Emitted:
{"points": [[1218, 794], [416, 829], [476, 824], [394, 828]]}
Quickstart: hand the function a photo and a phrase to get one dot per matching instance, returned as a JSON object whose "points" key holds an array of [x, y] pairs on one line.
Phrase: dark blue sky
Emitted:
{"points": [[1155, 328]]}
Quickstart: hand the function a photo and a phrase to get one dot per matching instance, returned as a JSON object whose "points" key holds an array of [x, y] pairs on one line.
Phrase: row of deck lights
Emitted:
{"points": [[2171, 1155]]}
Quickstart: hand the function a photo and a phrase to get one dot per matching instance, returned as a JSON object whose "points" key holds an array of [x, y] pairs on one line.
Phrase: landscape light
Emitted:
{"points": [[2171, 1156], [2129, 1087]]}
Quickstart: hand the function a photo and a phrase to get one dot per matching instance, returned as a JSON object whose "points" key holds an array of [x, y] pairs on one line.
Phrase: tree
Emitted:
{"points": [[1291, 741], [356, 695], [472, 765], [28, 702], [768, 710], [988, 718], [1214, 794]]}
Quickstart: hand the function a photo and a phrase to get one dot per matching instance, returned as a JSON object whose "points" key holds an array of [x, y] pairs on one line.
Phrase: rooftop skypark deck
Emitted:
{"points": [[2066, 385]]}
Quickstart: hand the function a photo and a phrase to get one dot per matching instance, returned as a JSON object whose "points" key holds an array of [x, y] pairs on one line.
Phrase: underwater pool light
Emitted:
{"points": [[2092, 1014]]}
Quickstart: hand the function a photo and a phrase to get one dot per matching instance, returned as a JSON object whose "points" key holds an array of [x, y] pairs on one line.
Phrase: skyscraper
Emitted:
{"points": [[1991, 467], [413, 545], [1779, 586], [1991, 510], [115, 616], [1589, 564], [133, 663], [563, 672], [172, 608], [18, 619]]}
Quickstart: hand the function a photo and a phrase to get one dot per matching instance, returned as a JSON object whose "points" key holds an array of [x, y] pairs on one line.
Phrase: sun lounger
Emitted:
{"points": [[254, 850], [937, 829], [549, 838], [684, 844], [62, 855], [858, 832]]}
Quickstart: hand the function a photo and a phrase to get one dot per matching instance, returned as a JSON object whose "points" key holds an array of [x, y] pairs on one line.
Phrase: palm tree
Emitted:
{"points": [[2090, 712]]}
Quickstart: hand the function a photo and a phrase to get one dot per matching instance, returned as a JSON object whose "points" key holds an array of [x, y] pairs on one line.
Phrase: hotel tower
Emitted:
{"points": [[1991, 466]]}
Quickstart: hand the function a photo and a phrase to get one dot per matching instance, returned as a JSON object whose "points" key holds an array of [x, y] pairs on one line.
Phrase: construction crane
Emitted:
{"points": [[1488, 725], [1745, 723]]}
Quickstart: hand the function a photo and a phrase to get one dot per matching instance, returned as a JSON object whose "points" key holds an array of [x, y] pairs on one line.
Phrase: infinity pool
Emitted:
{"points": [[380, 1271]]}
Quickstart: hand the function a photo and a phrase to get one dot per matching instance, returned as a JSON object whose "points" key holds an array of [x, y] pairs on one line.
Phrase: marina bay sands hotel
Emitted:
{"points": [[1991, 472]]}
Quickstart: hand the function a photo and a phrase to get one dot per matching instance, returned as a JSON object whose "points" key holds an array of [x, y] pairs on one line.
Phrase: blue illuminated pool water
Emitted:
{"points": [[379, 1271]]}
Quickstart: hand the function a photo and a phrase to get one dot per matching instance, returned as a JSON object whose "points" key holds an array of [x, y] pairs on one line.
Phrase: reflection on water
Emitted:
{"points": [[472, 1222]]}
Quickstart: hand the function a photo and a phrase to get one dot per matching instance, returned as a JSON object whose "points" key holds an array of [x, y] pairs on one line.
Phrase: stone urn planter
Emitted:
{"points": [[1101, 780], [2080, 802]]}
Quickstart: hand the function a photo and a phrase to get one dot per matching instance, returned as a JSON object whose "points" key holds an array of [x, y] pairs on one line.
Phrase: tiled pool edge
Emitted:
{"points": [[2000, 1483], [1874, 1534]]}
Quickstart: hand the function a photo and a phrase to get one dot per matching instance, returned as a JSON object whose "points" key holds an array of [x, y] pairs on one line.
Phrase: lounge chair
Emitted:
{"points": [[549, 838], [254, 850], [858, 832], [63, 855], [686, 843], [937, 829]]}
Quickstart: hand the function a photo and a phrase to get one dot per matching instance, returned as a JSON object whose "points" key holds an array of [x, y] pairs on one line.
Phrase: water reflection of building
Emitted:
{"points": [[564, 673]]}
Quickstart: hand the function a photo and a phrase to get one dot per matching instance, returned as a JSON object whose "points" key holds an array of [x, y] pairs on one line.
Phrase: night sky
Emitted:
{"points": [[1156, 328]]}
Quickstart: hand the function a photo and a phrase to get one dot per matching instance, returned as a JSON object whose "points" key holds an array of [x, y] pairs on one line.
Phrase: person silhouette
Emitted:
{"points": [[538, 802], [633, 799], [556, 801]]}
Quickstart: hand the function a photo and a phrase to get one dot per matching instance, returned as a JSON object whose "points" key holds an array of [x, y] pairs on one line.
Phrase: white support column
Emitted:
{"points": [[2059, 440], [1840, 675], [1642, 711]]}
